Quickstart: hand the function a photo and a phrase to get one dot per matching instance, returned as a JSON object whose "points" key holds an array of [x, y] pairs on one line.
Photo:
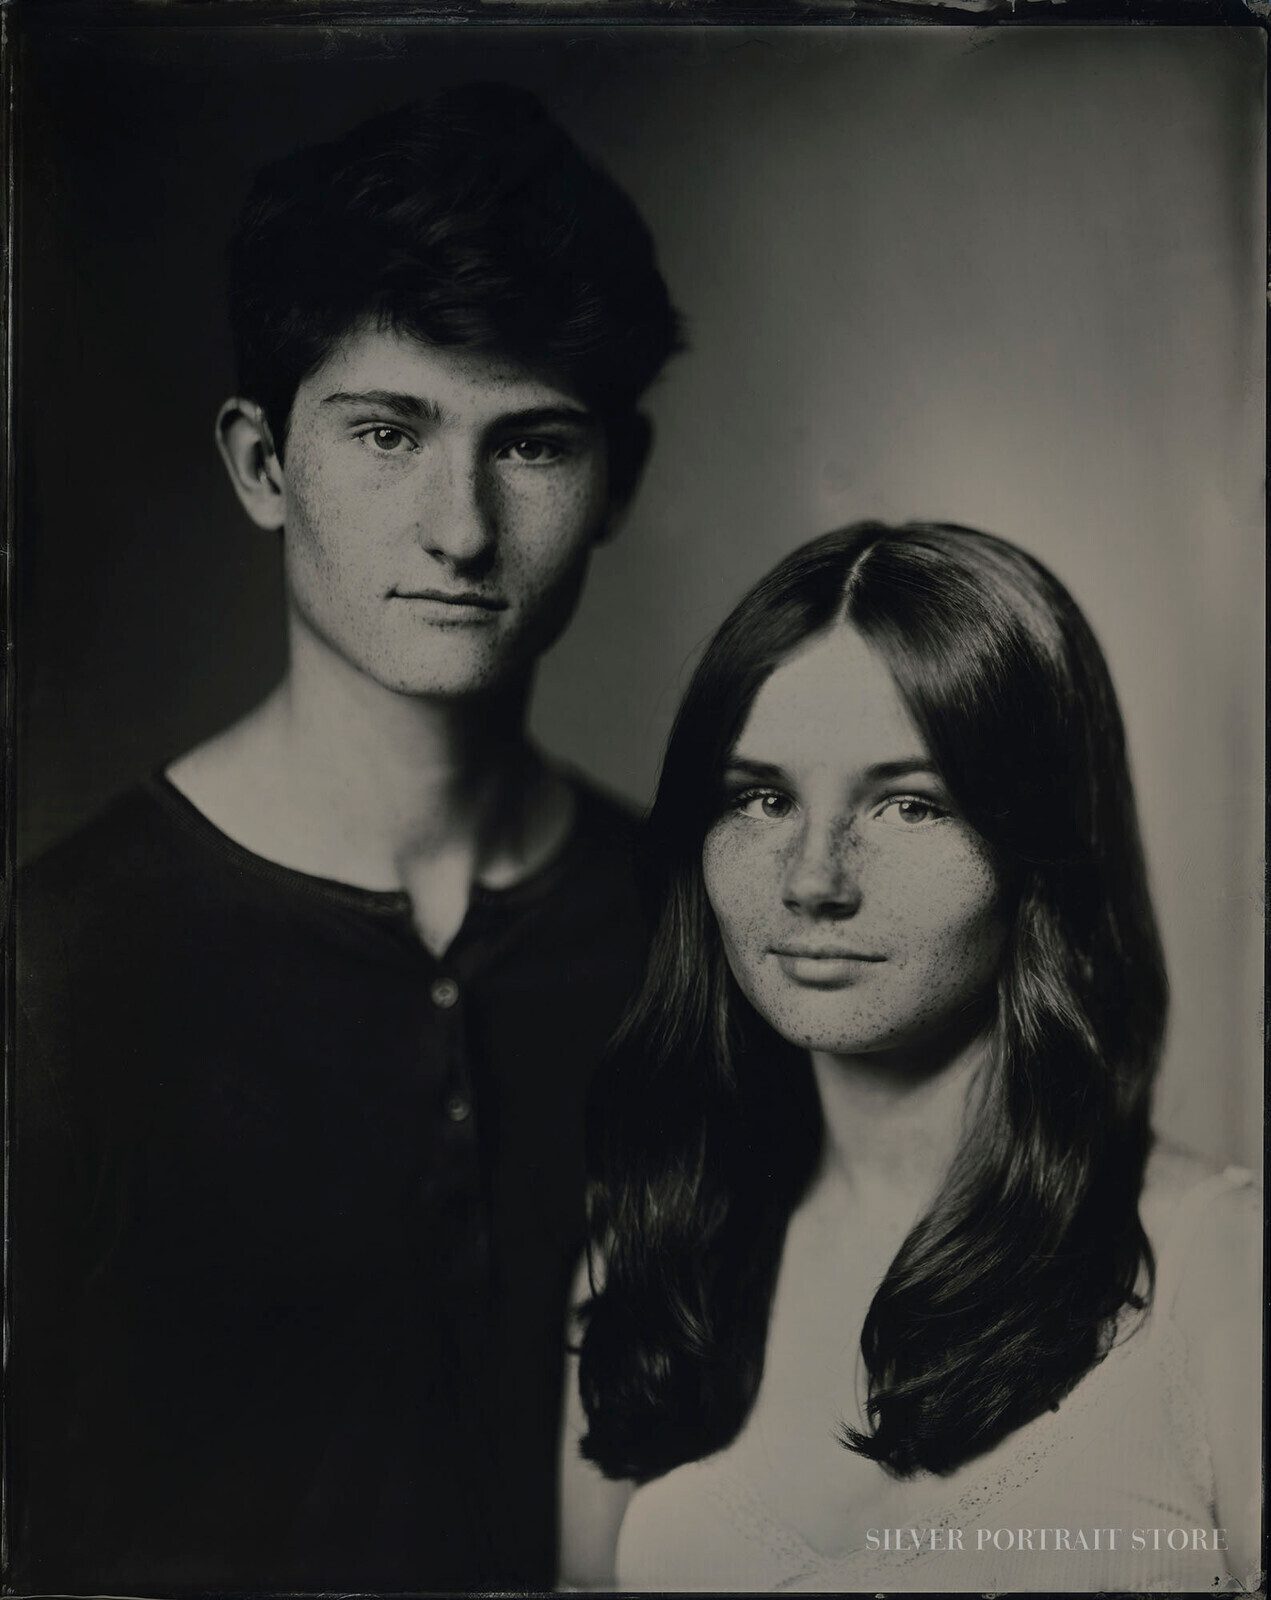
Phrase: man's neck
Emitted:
{"points": [[336, 776]]}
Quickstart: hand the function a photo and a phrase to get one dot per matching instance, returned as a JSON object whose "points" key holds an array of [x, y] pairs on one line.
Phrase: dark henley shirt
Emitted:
{"points": [[295, 1206]]}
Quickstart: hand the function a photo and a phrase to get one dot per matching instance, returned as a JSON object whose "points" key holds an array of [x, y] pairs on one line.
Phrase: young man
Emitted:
{"points": [[305, 1022]]}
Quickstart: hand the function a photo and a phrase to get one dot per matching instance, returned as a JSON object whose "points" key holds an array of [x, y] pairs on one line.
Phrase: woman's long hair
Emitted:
{"points": [[704, 1126]]}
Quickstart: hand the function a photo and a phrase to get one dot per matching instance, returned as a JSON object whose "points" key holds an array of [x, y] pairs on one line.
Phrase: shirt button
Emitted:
{"points": [[458, 1108], [444, 993]]}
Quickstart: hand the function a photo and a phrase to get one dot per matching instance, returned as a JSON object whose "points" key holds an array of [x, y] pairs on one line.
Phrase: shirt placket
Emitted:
{"points": [[459, 1131]]}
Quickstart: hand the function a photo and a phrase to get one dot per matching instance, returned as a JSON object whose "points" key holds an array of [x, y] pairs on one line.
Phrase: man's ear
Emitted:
{"points": [[247, 449], [630, 441]]}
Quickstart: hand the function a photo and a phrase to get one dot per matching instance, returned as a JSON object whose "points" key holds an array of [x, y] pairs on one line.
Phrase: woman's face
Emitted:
{"points": [[860, 914]]}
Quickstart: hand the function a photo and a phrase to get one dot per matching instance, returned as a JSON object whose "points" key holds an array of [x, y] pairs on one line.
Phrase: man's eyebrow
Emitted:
{"points": [[405, 405], [420, 409], [543, 417]]}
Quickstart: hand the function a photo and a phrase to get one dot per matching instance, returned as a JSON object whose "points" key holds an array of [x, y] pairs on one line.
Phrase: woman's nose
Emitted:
{"points": [[457, 520], [822, 877]]}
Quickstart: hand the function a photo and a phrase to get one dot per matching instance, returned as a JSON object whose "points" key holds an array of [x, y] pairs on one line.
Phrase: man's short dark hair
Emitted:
{"points": [[470, 220]]}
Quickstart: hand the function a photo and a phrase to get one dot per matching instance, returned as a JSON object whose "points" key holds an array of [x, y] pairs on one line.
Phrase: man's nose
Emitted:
{"points": [[458, 520], [822, 877]]}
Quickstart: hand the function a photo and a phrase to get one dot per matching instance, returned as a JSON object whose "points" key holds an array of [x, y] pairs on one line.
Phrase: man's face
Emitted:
{"points": [[440, 506]]}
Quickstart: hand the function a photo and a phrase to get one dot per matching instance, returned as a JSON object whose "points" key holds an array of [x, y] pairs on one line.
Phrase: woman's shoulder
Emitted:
{"points": [[1179, 1182], [1204, 1223]]}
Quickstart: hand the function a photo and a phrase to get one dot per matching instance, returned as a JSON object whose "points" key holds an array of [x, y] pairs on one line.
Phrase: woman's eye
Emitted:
{"points": [[763, 805], [532, 452], [909, 811], [387, 441]]}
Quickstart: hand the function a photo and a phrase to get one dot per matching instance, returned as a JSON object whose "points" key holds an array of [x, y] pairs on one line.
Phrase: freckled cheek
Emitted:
{"points": [[546, 537], [958, 926], [309, 544], [331, 518], [739, 878]]}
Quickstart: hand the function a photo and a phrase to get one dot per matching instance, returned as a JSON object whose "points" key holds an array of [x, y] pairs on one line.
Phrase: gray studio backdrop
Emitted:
{"points": [[1005, 277]]}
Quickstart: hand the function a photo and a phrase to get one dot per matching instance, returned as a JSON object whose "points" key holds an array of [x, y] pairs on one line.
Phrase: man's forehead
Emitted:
{"points": [[373, 360]]}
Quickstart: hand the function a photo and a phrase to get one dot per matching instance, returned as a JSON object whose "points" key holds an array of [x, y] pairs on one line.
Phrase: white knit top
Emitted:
{"points": [[1090, 1496]]}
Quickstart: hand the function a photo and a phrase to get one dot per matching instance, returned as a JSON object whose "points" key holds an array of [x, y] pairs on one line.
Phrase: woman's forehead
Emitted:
{"points": [[833, 701]]}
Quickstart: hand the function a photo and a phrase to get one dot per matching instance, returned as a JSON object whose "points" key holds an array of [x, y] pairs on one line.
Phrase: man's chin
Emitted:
{"points": [[456, 685]]}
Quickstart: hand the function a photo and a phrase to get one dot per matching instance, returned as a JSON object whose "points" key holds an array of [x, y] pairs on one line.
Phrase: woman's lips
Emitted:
{"points": [[823, 969]]}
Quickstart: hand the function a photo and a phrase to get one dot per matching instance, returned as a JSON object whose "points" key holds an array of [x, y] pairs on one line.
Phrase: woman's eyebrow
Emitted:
{"points": [[879, 772], [760, 771], [882, 770]]}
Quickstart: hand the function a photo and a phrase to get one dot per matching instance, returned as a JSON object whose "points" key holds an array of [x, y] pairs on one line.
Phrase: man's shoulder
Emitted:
{"points": [[606, 842], [93, 916], [132, 879], [604, 810], [129, 840]]}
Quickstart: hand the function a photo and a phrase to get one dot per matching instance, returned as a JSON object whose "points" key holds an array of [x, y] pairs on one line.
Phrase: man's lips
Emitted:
{"points": [[450, 597]]}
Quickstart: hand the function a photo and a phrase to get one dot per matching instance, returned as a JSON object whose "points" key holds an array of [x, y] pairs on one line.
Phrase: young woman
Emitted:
{"points": [[889, 1287]]}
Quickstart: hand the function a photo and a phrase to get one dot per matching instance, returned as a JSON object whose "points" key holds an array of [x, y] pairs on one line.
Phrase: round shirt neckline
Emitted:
{"points": [[385, 902]]}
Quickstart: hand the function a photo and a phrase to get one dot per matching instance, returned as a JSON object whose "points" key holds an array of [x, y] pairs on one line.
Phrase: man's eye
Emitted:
{"points": [[387, 441], [909, 811], [532, 452], [763, 805]]}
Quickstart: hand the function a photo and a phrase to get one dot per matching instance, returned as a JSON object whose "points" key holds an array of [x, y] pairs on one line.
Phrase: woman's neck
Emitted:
{"points": [[893, 1127]]}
